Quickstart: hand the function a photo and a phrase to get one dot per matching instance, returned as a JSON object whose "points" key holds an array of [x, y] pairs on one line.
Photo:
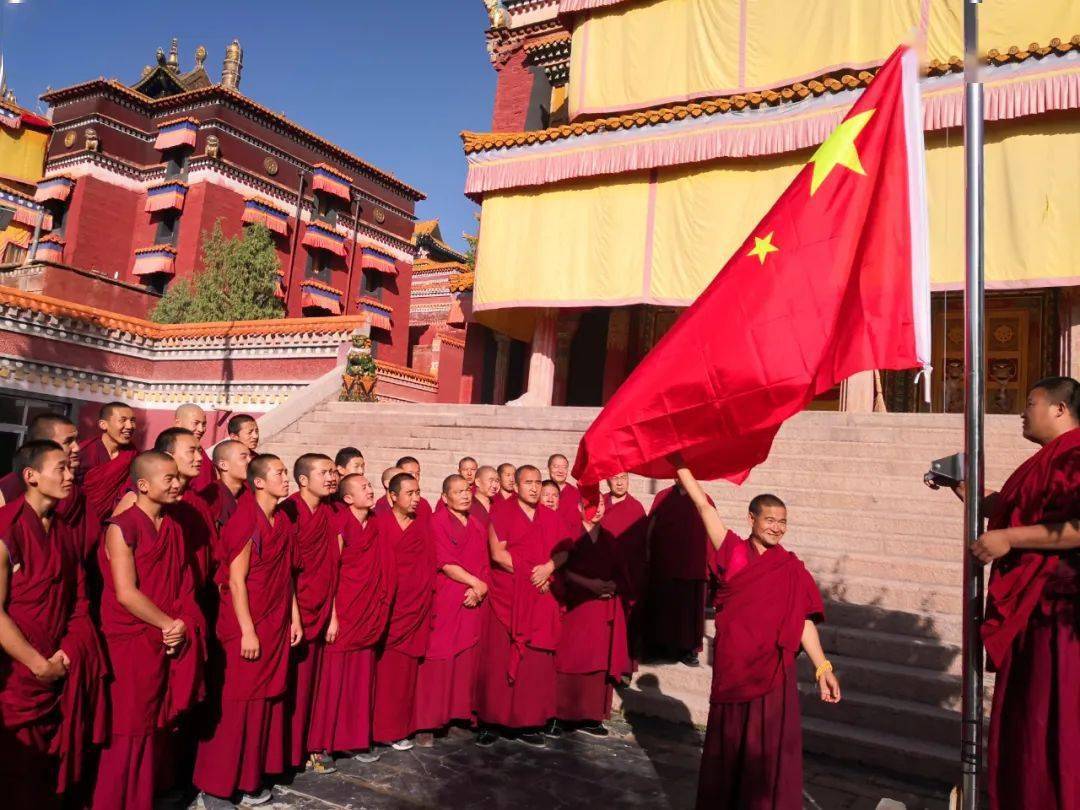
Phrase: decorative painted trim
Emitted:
{"points": [[27, 212], [179, 132], [167, 195], [263, 212], [378, 312], [373, 259], [57, 188], [322, 236], [327, 178], [154, 259], [401, 374]]}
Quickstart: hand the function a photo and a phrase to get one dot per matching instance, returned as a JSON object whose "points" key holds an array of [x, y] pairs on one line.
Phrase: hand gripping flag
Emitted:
{"points": [[834, 280]]}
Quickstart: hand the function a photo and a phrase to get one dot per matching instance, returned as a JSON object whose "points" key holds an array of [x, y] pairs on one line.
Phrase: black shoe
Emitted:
{"points": [[553, 730], [532, 738], [594, 730], [690, 660], [486, 738]]}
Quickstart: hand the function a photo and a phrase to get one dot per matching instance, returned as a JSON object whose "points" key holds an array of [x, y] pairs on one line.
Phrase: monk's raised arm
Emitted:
{"points": [[499, 555], [714, 526], [125, 582], [12, 640]]}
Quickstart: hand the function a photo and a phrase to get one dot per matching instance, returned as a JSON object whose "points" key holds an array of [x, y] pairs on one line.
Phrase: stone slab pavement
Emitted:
{"points": [[645, 763]]}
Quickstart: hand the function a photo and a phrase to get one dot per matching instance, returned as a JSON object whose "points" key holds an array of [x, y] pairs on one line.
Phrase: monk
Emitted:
{"points": [[592, 656], [104, 463], [153, 631], [344, 698], [569, 498], [507, 487], [446, 682], [766, 608], [624, 519], [549, 495], [408, 464], [191, 417], [487, 490], [1033, 610], [467, 469], [244, 429], [317, 559], [674, 620], [350, 461], [385, 503], [52, 675], [407, 531], [516, 683], [45, 427], [231, 459], [257, 623]]}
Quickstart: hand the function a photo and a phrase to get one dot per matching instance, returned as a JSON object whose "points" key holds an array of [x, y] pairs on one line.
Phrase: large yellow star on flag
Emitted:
{"points": [[839, 150], [763, 247]]}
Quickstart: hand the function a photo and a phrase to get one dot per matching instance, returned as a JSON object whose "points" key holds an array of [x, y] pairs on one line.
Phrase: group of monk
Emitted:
{"points": [[170, 618]]}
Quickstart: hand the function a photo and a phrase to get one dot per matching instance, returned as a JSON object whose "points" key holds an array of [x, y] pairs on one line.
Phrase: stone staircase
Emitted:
{"points": [[885, 551]]}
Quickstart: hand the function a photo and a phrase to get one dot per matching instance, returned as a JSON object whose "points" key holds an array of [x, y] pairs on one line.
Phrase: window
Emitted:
{"points": [[176, 163], [16, 413], [373, 284], [13, 254], [318, 267], [168, 228]]}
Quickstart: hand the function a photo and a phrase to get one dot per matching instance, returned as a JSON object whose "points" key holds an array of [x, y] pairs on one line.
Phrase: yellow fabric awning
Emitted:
{"points": [[622, 56], [659, 237]]}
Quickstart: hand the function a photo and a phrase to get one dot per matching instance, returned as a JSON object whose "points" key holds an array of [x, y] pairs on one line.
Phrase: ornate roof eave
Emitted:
{"points": [[836, 81], [217, 91]]}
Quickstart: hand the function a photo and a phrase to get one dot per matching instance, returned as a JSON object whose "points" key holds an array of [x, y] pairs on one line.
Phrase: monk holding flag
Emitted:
{"points": [[366, 585], [257, 623], [1033, 610], [838, 273], [766, 607]]}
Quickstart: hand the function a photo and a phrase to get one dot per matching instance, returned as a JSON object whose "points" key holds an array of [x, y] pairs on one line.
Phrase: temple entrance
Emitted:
{"points": [[588, 354]]}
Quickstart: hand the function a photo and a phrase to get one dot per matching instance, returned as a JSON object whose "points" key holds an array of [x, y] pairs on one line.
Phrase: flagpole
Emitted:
{"points": [[974, 393]]}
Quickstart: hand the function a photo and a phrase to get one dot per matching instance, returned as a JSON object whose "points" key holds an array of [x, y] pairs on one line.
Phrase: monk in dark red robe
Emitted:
{"points": [[674, 616], [408, 533], [385, 503], [244, 429], [192, 417], [625, 520], [592, 656], [317, 560], [507, 486], [516, 683], [485, 495], [408, 464], [104, 462], [569, 497], [766, 606], [350, 461], [52, 676], [1032, 624], [154, 634], [257, 622], [341, 713], [231, 459], [446, 682]]}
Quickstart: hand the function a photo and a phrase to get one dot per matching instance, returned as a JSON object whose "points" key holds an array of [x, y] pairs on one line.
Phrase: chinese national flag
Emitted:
{"points": [[834, 280]]}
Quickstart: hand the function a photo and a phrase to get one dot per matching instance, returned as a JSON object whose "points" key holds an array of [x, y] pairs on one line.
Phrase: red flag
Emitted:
{"points": [[834, 280]]}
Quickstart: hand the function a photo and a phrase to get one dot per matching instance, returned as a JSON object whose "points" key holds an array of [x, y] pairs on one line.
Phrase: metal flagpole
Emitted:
{"points": [[974, 391]]}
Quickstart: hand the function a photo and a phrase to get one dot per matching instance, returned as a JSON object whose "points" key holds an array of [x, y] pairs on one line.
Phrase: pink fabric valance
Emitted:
{"points": [[157, 259], [54, 188], [322, 238], [181, 132]]}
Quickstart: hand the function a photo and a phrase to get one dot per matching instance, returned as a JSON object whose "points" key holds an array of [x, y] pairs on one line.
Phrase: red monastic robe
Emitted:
{"points": [[570, 505], [367, 580], [317, 558], [752, 758], [45, 728], [207, 474], [516, 683], [592, 655], [104, 480], [150, 690], [1031, 637], [674, 619], [446, 682], [11, 486], [481, 513], [197, 524], [249, 738], [409, 628], [626, 522], [221, 501]]}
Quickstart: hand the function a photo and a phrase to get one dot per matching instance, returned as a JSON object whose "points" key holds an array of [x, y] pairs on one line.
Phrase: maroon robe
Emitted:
{"points": [[382, 507], [752, 758], [570, 505], [592, 655], [516, 683], [446, 681], [150, 690], [207, 474], [44, 728], [11, 486], [249, 738], [674, 618], [409, 628], [481, 513], [221, 501], [625, 521], [104, 480], [344, 699], [317, 559], [200, 534], [1032, 641]]}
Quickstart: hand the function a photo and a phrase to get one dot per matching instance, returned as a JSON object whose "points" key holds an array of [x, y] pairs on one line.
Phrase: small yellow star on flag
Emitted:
{"points": [[763, 247], [839, 150]]}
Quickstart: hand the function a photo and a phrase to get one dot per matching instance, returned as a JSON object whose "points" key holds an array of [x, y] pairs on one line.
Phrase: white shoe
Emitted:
{"points": [[402, 745], [209, 802], [366, 757], [256, 799]]}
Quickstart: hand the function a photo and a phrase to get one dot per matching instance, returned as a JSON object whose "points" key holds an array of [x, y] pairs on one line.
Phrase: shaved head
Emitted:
{"points": [[109, 408], [227, 449], [388, 476], [149, 462], [46, 425], [191, 417]]}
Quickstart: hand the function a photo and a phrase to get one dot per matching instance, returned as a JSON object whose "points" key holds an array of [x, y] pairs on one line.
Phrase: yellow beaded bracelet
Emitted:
{"points": [[826, 666]]}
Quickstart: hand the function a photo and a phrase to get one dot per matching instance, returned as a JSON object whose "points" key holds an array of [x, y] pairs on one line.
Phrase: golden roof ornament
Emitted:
{"points": [[200, 57], [497, 14], [233, 65], [173, 61]]}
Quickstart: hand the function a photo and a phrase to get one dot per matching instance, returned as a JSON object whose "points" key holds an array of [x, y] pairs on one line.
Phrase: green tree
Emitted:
{"points": [[237, 283]]}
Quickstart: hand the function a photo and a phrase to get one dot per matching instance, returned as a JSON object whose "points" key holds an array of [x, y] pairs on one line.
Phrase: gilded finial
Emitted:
{"points": [[233, 65], [173, 62], [160, 56], [200, 56]]}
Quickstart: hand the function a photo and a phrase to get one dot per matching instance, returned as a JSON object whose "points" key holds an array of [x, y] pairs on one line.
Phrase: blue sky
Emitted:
{"points": [[392, 82]]}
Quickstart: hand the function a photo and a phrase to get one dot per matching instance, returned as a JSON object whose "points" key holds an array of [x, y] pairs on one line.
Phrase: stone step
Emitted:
{"points": [[902, 718], [932, 654], [895, 681]]}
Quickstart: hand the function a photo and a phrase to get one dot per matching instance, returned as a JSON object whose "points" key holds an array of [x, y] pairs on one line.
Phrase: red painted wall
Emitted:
{"points": [[512, 93], [100, 227]]}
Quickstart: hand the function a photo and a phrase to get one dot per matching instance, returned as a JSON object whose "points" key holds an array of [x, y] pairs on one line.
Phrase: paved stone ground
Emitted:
{"points": [[645, 763]]}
